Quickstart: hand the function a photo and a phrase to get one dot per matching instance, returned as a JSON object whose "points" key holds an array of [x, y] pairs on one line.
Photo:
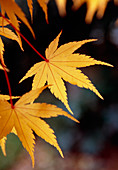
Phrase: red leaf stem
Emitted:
{"points": [[24, 38], [8, 84]]}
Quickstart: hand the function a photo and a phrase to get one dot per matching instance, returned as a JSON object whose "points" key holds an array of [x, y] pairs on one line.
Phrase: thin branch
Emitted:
{"points": [[8, 84], [24, 38]]}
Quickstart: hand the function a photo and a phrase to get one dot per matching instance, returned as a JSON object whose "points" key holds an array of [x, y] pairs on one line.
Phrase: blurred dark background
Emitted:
{"points": [[92, 144]]}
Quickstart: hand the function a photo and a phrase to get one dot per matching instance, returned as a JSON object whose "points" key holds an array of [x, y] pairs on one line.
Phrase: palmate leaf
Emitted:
{"points": [[25, 117], [61, 64], [12, 10]]}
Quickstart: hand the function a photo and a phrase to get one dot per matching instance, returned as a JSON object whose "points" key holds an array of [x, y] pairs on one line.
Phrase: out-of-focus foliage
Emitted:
{"points": [[93, 6]]}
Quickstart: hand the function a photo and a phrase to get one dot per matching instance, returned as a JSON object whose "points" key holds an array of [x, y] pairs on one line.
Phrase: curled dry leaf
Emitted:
{"points": [[62, 64]]}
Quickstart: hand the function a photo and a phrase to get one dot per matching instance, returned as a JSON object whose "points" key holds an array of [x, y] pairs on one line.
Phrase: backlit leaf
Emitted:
{"points": [[3, 22], [30, 5], [25, 117], [12, 10], [1, 52], [62, 64], [43, 4], [6, 32]]}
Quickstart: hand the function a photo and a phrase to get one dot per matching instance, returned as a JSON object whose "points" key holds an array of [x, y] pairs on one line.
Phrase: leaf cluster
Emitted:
{"points": [[59, 64]]}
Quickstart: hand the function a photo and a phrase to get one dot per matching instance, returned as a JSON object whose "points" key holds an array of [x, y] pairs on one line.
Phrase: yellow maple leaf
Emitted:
{"points": [[60, 64], [25, 116], [12, 10], [6, 32]]}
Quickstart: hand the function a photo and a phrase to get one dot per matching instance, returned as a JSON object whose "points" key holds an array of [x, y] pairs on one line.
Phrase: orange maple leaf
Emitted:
{"points": [[25, 117], [42, 3], [12, 10], [30, 5], [60, 64], [3, 22]]}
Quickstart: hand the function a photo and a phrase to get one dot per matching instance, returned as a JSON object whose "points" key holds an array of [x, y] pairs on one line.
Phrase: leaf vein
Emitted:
{"points": [[70, 74], [56, 82]]}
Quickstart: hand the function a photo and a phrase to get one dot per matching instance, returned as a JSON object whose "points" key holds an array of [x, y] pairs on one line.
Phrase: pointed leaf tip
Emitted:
{"points": [[63, 64]]}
